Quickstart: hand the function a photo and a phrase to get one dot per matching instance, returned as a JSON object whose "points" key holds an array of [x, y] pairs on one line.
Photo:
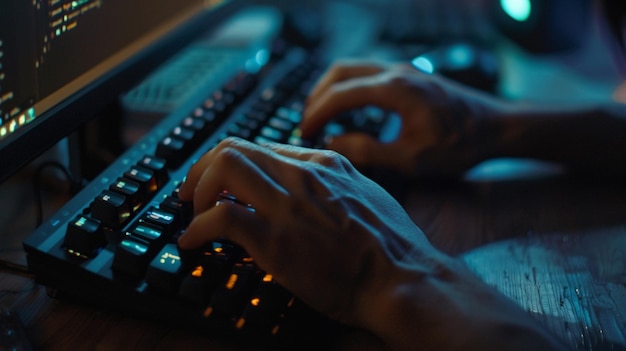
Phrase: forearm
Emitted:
{"points": [[452, 310], [590, 139]]}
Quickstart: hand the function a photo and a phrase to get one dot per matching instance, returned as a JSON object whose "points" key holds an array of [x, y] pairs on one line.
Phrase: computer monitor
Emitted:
{"points": [[61, 61]]}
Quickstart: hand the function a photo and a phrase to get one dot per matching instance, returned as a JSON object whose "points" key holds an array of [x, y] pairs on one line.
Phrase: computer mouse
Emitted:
{"points": [[467, 63]]}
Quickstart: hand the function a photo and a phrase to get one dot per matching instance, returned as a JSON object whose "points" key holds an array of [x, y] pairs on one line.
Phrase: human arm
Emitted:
{"points": [[365, 262], [449, 128]]}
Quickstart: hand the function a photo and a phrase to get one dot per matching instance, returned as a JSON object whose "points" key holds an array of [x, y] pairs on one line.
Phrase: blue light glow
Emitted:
{"points": [[460, 55], [519, 10], [423, 64]]}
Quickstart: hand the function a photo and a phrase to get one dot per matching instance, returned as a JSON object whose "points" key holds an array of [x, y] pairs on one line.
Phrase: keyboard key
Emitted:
{"points": [[112, 209], [198, 125], [165, 270], [183, 210], [132, 256], [219, 107], [188, 138], [146, 179], [198, 285], [161, 219], [272, 134], [172, 150], [208, 267], [280, 124], [150, 234], [84, 237], [293, 116], [130, 190], [266, 307], [248, 123], [232, 295], [157, 166], [239, 131]]}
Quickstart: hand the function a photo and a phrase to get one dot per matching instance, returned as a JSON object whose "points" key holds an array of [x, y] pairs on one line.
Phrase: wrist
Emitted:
{"points": [[487, 128], [443, 306], [403, 310]]}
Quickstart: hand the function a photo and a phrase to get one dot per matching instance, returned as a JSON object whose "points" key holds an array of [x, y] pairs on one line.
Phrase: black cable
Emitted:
{"points": [[75, 185], [15, 268]]}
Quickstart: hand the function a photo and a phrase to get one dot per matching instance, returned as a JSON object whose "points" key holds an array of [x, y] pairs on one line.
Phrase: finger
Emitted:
{"points": [[354, 93], [228, 221], [198, 170], [343, 71], [187, 188], [241, 168], [292, 151]]}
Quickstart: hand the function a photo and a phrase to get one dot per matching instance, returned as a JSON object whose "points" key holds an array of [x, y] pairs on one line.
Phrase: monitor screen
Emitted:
{"points": [[62, 60]]}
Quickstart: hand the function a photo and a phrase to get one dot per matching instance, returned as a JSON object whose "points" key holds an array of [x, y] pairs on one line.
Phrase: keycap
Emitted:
{"points": [[158, 167], [171, 149], [272, 134], [187, 136], [207, 268], [239, 131], [149, 233], [231, 295], [146, 179], [130, 190], [183, 210], [194, 123], [165, 220], [265, 307], [132, 256], [281, 124], [165, 270], [84, 237], [111, 209]]}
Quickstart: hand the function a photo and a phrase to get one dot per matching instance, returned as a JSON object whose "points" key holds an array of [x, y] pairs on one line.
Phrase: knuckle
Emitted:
{"points": [[330, 158], [229, 142], [228, 156], [398, 80]]}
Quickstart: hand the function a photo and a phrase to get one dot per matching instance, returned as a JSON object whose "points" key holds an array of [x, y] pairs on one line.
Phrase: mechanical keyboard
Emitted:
{"points": [[114, 243]]}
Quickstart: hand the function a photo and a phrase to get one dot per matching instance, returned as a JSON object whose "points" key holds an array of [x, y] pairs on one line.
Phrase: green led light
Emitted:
{"points": [[519, 10], [31, 114]]}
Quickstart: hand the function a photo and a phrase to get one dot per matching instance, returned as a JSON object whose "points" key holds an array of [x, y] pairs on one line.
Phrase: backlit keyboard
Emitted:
{"points": [[114, 243]]}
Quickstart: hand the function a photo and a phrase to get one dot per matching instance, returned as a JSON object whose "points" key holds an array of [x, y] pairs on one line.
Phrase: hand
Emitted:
{"points": [[315, 217], [444, 124], [343, 245]]}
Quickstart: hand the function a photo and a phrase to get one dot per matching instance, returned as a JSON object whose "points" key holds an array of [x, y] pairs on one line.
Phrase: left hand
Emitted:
{"points": [[446, 129]]}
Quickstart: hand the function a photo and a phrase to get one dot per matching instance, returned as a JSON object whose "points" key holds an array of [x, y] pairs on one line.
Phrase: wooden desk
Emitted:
{"points": [[555, 245]]}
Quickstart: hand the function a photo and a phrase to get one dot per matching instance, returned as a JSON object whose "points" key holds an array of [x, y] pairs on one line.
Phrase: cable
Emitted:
{"points": [[15, 268], [75, 185]]}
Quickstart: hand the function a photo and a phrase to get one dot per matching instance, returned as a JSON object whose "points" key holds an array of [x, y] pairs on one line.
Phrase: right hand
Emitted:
{"points": [[323, 230], [343, 245]]}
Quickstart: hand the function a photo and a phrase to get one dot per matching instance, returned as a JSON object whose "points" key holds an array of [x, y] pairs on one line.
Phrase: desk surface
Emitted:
{"points": [[555, 245]]}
